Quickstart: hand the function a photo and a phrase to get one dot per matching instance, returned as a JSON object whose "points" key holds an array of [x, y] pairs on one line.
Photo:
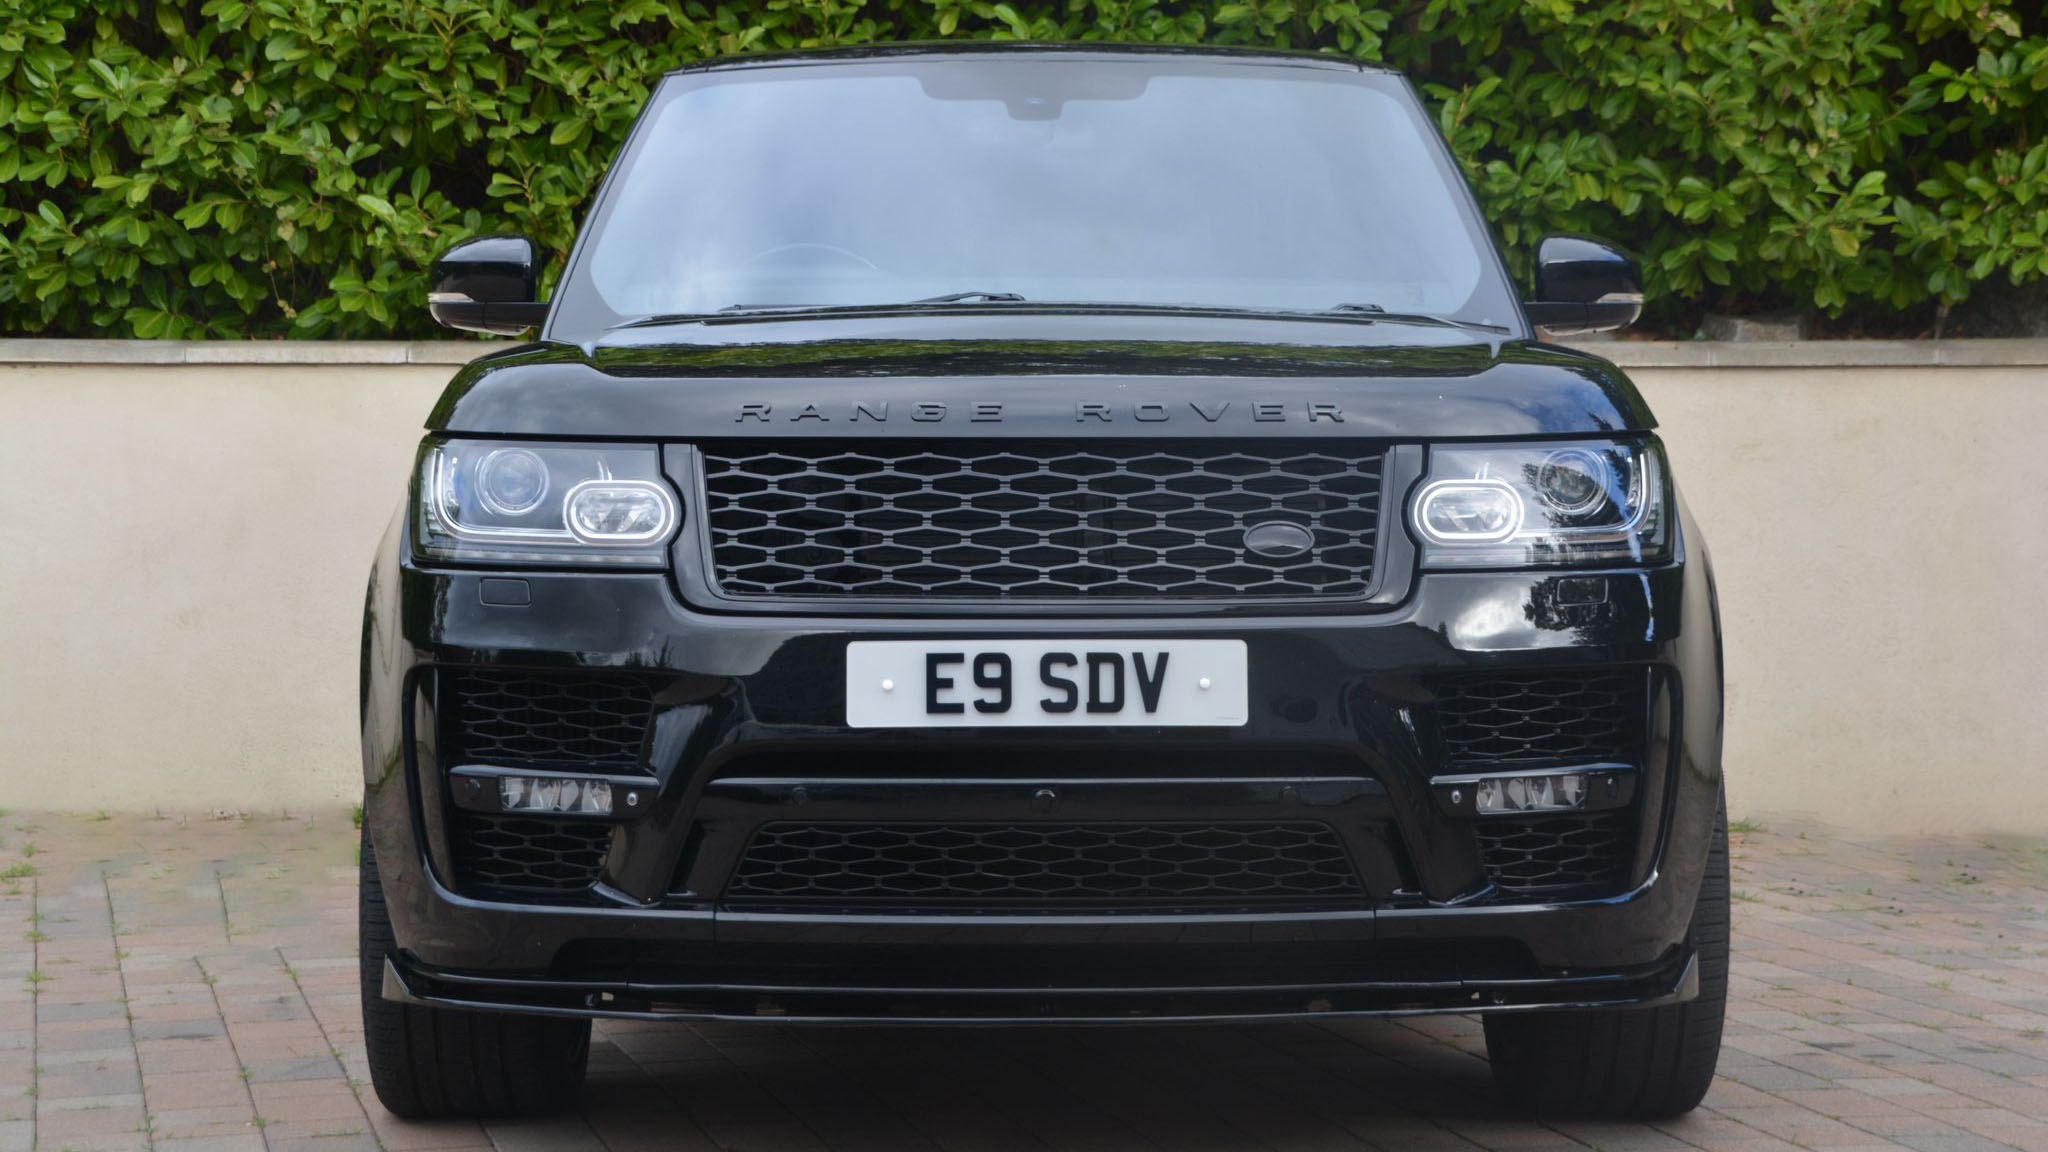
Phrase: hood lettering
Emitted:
{"points": [[993, 412]]}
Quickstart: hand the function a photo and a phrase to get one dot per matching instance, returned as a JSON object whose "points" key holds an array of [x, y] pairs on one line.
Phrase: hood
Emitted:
{"points": [[1074, 376]]}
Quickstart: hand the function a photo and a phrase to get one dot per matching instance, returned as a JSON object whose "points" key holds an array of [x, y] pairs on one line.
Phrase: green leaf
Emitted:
{"points": [[246, 161]]}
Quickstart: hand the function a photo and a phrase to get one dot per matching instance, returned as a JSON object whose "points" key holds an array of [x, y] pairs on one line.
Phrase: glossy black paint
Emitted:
{"points": [[1160, 375], [751, 722], [487, 284], [745, 993], [1584, 285], [760, 691]]}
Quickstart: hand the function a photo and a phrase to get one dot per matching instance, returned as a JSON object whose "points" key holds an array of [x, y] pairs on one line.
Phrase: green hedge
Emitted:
{"points": [[288, 167]]}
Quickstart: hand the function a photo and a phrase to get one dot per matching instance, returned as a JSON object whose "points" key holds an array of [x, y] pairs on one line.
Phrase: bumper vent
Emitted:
{"points": [[575, 720], [1037, 522], [521, 718], [1545, 716], [1575, 854], [524, 858], [1009, 864]]}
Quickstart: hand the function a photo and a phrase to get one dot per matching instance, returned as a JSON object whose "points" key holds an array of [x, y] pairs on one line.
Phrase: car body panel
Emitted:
{"points": [[748, 723], [950, 376]]}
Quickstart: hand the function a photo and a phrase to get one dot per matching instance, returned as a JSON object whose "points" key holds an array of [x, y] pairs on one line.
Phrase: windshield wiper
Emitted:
{"points": [[662, 318], [1354, 312], [963, 297], [1375, 312]]}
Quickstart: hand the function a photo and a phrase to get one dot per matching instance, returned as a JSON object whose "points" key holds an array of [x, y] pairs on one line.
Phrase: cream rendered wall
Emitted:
{"points": [[183, 549], [183, 553], [1878, 535]]}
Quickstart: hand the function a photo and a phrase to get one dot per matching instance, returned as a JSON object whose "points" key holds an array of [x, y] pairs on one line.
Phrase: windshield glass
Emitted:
{"points": [[1054, 180]]}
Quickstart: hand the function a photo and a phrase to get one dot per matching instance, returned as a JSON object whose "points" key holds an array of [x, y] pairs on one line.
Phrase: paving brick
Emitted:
{"points": [[239, 1142], [1877, 1002], [195, 1090]]}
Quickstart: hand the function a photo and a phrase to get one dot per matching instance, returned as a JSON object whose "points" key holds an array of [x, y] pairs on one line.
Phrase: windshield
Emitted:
{"points": [[1049, 180]]}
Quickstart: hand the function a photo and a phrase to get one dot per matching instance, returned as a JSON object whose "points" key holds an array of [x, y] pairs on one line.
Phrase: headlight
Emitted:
{"points": [[1517, 505], [485, 500]]}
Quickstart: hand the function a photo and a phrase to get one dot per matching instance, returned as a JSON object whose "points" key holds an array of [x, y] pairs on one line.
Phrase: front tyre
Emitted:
{"points": [[1628, 1063], [434, 1063]]}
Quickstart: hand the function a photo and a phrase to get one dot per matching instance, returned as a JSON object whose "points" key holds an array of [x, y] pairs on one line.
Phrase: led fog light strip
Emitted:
{"points": [[1536, 791], [510, 791]]}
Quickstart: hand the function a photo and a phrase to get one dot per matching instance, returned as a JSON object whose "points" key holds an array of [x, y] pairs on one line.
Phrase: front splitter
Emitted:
{"points": [[1669, 982]]}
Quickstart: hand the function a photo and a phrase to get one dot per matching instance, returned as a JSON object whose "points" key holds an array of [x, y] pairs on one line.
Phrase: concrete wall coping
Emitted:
{"points": [[29, 350], [1626, 353]]}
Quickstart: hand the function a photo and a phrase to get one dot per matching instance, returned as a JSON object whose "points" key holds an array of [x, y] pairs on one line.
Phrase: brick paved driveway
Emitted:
{"points": [[188, 982]]}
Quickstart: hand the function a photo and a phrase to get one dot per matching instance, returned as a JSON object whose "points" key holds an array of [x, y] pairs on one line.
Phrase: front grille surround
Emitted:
{"points": [[1026, 523], [991, 864]]}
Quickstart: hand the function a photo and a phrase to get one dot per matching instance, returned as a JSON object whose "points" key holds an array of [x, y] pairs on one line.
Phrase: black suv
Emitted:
{"points": [[1041, 534]]}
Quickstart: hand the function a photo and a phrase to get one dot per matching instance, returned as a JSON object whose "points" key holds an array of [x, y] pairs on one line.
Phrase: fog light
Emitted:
{"points": [[1556, 792], [1535, 791], [555, 794]]}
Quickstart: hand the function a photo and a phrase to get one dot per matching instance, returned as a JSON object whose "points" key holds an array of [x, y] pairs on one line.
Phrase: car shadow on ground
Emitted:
{"points": [[188, 982]]}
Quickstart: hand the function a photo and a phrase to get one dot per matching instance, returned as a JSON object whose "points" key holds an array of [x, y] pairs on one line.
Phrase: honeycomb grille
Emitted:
{"points": [[1581, 853], [1044, 863], [1037, 522], [574, 720], [497, 855], [1544, 716]]}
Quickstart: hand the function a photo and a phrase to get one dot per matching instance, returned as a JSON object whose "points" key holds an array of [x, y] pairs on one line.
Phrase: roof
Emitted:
{"points": [[969, 49]]}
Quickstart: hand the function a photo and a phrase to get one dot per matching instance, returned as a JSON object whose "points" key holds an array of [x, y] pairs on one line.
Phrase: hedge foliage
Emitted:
{"points": [[289, 167]]}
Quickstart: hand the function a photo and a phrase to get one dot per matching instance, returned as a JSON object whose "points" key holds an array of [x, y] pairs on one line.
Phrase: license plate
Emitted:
{"points": [[1045, 683]]}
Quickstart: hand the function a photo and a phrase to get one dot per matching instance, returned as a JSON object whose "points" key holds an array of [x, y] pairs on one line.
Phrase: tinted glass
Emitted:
{"points": [[1058, 179]]}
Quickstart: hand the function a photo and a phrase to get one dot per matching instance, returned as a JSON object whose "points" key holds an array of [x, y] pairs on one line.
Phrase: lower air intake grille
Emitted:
{"points": [[1585, 854], [1043, 863], [508, 717], [1554, 716], [1039, 522], [523, 857]]}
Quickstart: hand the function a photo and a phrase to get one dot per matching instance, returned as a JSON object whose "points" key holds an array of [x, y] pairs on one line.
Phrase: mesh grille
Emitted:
{"points": [[501, 716], [1541, 716], [1584, 852], [517, 855], [1042, 522], [1043, 863]]}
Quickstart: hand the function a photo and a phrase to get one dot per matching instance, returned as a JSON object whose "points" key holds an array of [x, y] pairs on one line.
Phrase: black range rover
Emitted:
{"points": [[1041, 535]]}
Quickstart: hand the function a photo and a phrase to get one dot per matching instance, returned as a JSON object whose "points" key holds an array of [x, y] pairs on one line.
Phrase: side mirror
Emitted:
{"points": [[487, 284], [1584, 285]]}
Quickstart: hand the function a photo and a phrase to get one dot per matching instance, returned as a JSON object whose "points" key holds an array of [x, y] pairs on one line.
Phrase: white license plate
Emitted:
{"points": [[1045, 683]]}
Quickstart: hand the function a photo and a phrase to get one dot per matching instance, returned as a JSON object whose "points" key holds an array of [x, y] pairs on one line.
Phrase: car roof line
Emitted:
{"points": [[969, 49]]}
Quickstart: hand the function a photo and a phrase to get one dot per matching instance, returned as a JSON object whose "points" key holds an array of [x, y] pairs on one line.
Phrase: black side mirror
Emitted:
{"points": [[487, 284], [1584, 285]]}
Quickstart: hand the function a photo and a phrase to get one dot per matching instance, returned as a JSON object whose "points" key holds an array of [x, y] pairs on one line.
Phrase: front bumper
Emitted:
{"points": [[750, 728], [743, 995]]}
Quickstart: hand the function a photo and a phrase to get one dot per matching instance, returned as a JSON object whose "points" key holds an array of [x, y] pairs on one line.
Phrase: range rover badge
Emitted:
{"points": [[1278, 540]]}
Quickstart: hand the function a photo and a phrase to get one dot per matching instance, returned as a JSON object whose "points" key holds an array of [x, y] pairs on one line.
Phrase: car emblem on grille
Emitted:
{"points": [[1279, 540]]}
